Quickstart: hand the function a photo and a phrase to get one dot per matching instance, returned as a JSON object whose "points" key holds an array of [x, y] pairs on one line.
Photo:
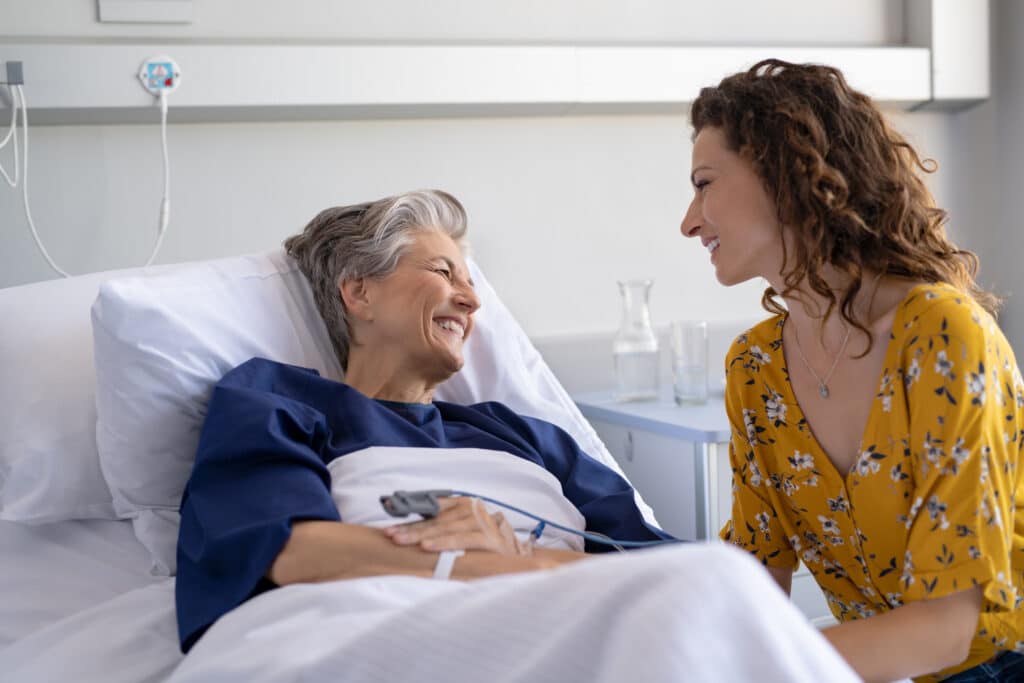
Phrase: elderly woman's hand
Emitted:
{"points": [[462, 524]]}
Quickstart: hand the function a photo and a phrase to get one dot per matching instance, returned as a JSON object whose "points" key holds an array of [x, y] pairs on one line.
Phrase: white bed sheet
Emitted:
{"points": [[53, 571]]}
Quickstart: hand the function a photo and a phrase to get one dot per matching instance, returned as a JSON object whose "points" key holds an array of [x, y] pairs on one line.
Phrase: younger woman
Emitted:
{"points": [[877, 414]]}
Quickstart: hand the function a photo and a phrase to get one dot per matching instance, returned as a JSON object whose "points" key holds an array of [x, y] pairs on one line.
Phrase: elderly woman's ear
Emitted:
{"points": [[354, 295]]}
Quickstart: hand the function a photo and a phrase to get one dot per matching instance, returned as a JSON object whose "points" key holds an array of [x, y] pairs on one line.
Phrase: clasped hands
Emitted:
{"points": [[463, 523]]}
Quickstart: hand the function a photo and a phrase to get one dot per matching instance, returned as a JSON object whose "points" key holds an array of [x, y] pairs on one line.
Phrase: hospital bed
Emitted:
{"points": [[104, 383]]}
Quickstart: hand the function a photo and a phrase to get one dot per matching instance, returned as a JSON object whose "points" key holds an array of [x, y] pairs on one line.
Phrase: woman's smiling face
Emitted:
{"points": [[422, 313], [732, 213]]}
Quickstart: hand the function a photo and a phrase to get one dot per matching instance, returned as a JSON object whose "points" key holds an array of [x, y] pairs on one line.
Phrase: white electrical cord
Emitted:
{"points": [[165, 204], [24, 187], [10, 134], [14, 118]]}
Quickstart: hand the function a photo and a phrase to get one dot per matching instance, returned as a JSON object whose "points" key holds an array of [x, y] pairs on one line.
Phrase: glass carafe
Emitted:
{"points": [[635, 348]]}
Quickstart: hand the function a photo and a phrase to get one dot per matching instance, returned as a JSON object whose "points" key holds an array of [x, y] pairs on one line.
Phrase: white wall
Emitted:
{"points": [[988, 148], [560, 207], [865, 22]]}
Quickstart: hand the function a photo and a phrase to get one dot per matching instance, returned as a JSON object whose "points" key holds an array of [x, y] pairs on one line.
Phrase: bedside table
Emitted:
{"points": [[677, 457]]}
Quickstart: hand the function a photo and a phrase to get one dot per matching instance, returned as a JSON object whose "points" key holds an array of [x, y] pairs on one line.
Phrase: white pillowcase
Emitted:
{"points": [[49, 468], [161, 343]]}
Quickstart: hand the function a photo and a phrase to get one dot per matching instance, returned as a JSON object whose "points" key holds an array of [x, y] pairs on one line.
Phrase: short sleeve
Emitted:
{"points": [[959, 372], [257, 470], [754, 525]]}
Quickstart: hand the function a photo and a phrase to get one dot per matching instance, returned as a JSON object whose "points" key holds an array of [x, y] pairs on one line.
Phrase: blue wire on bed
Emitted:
{"points": [[595, 538]]}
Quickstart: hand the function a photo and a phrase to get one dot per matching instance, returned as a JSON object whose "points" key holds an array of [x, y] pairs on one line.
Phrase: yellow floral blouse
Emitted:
{"points": [[929, 508]]}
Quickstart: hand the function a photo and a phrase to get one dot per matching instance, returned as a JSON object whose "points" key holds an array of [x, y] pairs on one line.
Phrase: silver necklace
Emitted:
{"points": [[822, 381]]}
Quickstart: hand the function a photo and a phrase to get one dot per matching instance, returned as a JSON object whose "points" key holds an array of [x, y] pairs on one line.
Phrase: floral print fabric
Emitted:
{"points": [[929, 507]]}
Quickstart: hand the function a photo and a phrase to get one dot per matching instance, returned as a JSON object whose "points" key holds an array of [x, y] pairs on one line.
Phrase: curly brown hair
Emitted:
{"points": [[842, 179]]}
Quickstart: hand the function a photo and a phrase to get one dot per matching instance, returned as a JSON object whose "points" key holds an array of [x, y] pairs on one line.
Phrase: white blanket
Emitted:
{"points": [[682, 612], [694, 613], [689, 612]]}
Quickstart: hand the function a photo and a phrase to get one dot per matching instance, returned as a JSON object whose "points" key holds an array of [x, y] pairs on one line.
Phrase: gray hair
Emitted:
{"points": [[366, 241]]}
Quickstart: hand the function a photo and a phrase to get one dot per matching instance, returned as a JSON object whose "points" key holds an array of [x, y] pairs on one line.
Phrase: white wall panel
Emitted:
{"points": [[794, 22], [95, 83], [560, 206]]}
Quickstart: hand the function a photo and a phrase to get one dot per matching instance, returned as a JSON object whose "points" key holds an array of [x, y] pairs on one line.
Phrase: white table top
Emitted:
{"points": [[703, 423]]}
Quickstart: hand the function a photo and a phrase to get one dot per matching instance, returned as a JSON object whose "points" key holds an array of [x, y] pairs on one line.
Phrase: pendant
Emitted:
{"points": [[823, 390]]}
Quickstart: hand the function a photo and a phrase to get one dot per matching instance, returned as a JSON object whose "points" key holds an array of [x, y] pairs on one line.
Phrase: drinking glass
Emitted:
{"points": [[689, 345]]}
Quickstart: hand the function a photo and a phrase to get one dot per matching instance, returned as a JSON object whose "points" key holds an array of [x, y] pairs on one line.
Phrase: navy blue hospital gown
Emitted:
{"points": [[269, 433]]}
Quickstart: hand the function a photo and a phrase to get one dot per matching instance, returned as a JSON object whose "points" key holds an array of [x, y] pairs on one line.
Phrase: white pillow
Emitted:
{"points": [[49, 468], [161, 343]]}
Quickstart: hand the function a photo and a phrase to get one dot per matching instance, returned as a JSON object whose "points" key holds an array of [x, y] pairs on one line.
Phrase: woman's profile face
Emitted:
{"points": [[731, 212], [423, 311]]}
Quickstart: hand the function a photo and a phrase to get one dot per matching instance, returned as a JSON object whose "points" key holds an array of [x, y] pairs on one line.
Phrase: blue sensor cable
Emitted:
{"points": [[402, 503]]}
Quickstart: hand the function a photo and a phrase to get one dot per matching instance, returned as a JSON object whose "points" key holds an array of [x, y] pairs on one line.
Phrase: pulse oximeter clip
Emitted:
{"points": [[402, 503]]}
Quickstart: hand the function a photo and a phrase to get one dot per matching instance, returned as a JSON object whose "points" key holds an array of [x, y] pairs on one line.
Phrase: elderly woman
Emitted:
{"points": [[286, 481]]}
